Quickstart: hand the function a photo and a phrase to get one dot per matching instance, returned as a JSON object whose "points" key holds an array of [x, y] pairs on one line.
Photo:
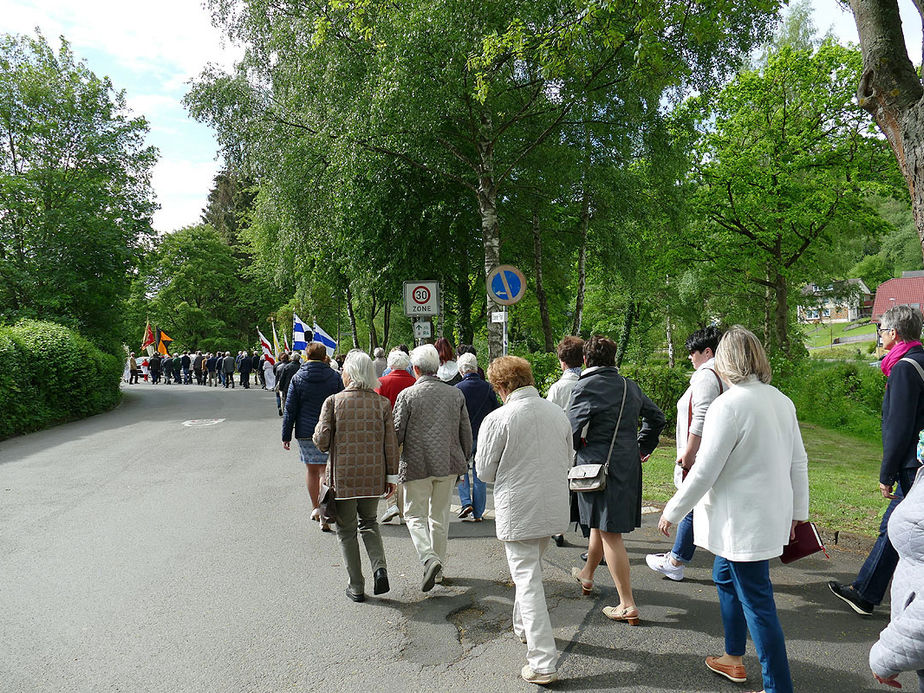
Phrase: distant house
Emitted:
{"points": [[842, 301], [907, 290]]}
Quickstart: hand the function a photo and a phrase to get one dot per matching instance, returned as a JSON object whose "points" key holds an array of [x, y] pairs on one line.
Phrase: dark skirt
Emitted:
{"points": [[618, 507]]}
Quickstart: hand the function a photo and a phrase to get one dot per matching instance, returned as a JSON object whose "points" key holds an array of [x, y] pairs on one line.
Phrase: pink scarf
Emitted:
{"points": [[895, 354]]}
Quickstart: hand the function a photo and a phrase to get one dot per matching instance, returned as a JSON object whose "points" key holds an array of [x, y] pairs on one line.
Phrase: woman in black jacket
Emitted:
{"points": [[601, 398], [311, 385]]}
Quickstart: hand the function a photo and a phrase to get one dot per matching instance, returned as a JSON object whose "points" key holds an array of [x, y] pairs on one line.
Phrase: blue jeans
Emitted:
{"points": [[873, 579], [746, 601], [477, 489], [683, 544]]}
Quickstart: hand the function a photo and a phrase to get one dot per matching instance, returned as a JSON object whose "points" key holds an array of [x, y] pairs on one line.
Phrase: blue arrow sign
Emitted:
{"points": [[507, 285]]}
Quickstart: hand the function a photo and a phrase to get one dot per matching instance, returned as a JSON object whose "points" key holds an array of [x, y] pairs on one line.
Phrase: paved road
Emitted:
{"points": [[139, 554]]}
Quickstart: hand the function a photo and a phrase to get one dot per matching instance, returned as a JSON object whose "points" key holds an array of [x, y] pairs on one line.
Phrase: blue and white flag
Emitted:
{"points": [[325, 339], [299, 343]]}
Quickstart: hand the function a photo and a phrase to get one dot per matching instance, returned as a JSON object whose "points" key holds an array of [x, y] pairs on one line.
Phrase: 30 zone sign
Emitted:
{"points": [[421, 299]]}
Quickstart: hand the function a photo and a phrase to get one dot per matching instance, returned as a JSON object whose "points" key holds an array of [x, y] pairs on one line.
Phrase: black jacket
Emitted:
{"points": [[314, 382], [255, 362], [902, 417], [154, 364], [184, 360], [285, 373]]}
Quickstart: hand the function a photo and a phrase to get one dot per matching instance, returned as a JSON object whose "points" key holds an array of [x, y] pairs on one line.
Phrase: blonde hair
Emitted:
{"points": [[741, 355], [509, 373]]}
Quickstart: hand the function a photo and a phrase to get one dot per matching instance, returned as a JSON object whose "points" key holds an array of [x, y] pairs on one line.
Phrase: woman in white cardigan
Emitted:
{"points": [[749, 487], [525, 449]]}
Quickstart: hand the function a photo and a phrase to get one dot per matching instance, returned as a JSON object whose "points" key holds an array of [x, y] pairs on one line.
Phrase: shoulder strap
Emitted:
{"points": [[917, 366], [625, 389]]}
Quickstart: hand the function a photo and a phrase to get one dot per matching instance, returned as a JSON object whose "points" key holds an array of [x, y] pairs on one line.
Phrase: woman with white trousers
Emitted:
{"points": [[525, 449]]}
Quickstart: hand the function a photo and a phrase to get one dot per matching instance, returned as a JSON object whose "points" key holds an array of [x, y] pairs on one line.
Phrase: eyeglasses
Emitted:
{"points": [[883, 329]]}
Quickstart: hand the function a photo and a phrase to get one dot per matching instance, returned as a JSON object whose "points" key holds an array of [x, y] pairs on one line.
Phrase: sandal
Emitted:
{"points": [[587, 586], [615, 613]]}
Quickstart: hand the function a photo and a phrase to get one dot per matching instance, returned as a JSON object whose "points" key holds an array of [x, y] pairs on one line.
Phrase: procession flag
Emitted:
{"points": [[285, 338], [275, 341], [267, 349], [325, 339], [299, 343], [148, 336], [163, 342]]}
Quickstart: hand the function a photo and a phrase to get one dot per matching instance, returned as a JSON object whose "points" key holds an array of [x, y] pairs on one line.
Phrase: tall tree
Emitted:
{"points": [[75, 193]]}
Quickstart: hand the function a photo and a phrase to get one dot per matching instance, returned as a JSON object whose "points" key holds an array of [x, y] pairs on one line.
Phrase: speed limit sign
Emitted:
{"points": [[421, 299]]}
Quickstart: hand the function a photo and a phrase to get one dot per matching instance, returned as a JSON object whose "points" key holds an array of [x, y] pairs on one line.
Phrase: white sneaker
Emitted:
{"points": [[531, 676], [390, 514], [661, 563]]}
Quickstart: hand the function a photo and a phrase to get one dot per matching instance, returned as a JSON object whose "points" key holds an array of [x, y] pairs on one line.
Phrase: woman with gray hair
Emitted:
{"points": [[902, 419], [357, 429], [431, 421], [750, 487], [480, 401]]}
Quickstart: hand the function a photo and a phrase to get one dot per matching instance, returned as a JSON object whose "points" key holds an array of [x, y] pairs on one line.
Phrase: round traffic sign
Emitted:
{"points": [[506, 284], [421, 295]]}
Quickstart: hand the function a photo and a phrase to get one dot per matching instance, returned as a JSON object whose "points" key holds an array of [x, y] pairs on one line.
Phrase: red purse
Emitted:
{"points": [[806, 543]]}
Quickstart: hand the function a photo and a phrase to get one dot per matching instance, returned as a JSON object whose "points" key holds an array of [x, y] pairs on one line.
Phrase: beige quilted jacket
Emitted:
{"points": [[432, 423]]}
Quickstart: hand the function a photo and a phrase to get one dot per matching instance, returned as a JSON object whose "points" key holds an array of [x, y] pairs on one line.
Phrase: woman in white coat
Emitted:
{"points": [[749, 487], [525, 449]]}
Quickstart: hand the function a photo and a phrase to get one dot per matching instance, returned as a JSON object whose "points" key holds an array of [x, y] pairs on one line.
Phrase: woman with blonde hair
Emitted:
{"points": [[357, 429], [749, 487]]}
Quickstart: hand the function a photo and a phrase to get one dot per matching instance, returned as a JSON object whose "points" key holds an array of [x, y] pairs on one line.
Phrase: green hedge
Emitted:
{"points": [[844, 397], [49, 375]]}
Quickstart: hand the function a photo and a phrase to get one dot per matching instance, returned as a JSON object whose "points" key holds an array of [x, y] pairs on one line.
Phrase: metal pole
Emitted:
{"points": [[505, 330]]}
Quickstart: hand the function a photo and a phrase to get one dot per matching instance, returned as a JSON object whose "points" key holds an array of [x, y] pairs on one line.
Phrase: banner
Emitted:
{"points": [[163, 342], [267, 349], [148, 336], [276, 348], [325, 339], [299, 342]]}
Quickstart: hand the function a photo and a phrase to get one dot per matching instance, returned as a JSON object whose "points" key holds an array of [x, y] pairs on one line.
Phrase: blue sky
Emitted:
{"points": [[152, 49]]}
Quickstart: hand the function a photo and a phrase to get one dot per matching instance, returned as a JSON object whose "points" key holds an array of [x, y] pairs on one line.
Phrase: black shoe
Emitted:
{"points": [[584, 558], [381, 582], [559, 539], [280, 411], [355, 596], [853, 599], [465, 512], [431, 568]]}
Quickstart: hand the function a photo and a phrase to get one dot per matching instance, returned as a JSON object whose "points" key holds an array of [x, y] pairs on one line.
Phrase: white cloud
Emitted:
{"points": [[186, 185]]}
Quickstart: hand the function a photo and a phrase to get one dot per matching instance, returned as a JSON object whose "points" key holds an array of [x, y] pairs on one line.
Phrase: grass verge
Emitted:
{"points": [[843, 479]]}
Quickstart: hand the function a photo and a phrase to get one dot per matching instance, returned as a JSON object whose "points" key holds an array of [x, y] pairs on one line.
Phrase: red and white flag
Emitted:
{"points": [[267, 348], [148, 336]]}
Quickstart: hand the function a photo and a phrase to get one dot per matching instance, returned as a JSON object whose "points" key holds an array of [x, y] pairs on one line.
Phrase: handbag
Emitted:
{"points": [[806, 542], [589, 477], [326, 497]]}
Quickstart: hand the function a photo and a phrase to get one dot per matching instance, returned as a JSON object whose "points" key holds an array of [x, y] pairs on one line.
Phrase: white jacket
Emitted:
{"points": [[750, 480], [704, 388], [525, 449], [560, 392]]}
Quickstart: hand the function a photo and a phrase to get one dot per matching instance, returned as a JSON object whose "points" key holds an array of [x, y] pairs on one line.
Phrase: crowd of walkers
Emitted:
{"points": [[211, 369], [432, 423]]}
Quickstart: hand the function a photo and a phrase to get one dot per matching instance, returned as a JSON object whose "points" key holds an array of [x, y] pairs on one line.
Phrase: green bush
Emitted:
{"points": [[845, 397], [546, 369], [49, 375]]}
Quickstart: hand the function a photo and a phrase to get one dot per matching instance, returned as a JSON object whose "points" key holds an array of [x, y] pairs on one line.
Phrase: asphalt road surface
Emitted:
{"points": [[165, 546]]}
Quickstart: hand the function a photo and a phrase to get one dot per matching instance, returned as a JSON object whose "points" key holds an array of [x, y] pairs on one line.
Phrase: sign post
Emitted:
{"points": [[506, 285], [421, 303]]}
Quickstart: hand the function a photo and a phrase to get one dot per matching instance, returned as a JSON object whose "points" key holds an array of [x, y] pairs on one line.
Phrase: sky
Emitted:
{"points": [[151, 50]]}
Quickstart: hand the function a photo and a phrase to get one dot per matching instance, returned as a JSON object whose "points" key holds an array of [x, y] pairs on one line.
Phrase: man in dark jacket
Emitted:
{"points": [[480, 401], [185, 363], [177, 369], [154, 365], [227, 367], [284, 377], [211, 367], [197, 367], [902, 422], [167, 367], [244, 368], [256, 366]]}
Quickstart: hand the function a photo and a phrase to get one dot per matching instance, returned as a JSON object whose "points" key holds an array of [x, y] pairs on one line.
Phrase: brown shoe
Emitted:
{"points": [[733, 672]]}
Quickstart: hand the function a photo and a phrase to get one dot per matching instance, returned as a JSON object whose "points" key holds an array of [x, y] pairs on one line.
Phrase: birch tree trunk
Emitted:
{"points": [[540, 290], [582, 266], [386, 325], [891, 91], [490, 232], [352, 314]]}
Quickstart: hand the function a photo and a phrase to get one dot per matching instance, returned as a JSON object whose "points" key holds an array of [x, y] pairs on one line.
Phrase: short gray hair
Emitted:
{"points": [[379, 352], [741, 355], [398, 360], [359, 367], [468, 363], [426, 359], [905, 320]]}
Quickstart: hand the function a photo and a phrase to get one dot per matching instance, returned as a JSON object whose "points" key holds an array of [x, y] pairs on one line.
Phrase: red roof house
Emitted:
{"points": [[896, 292]]}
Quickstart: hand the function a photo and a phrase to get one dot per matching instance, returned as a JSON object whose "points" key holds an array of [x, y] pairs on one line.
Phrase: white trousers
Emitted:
{"points": [[426, 513], [530, 612]]}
